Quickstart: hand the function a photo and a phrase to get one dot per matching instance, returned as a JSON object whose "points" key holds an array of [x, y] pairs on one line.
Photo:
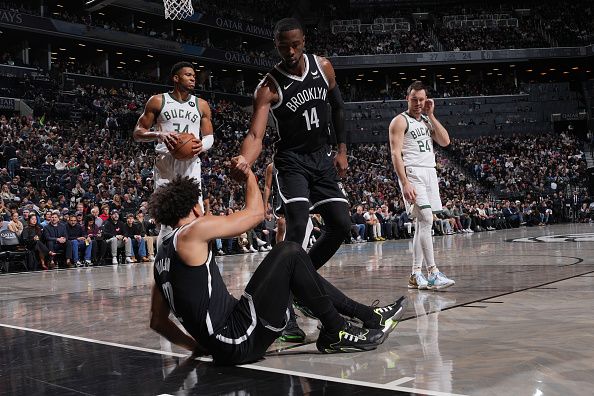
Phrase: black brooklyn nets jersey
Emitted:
{"points": [[301, 114], [197, 296]]}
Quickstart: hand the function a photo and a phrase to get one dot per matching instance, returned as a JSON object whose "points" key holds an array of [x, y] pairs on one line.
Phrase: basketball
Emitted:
{"points": [[183, 148]]}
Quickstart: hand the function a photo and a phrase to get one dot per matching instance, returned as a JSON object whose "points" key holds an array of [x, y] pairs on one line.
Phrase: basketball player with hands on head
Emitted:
{"points": [[411, 136], [296, 92], [174, 113]]}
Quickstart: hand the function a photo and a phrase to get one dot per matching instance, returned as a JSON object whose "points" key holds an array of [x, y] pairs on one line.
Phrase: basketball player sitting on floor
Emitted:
{"points": [[189, 284]]}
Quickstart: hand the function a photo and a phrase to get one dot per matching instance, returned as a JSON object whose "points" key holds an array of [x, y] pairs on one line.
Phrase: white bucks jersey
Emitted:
{"points": [[180, 117], [417, 148]]}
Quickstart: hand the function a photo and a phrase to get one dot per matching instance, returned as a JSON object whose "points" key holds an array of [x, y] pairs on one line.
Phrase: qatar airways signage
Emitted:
{"points": [[17, 18], [7, 104], [11, 16], [243, 27], [250, 60]]}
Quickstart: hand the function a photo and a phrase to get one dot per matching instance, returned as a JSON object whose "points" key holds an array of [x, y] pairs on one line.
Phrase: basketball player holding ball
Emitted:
{"points": [[174, 114]]}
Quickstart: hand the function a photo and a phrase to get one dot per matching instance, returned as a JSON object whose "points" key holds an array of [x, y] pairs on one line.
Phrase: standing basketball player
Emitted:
{"points": [[411, 142], [296, 92], [173, 113]]}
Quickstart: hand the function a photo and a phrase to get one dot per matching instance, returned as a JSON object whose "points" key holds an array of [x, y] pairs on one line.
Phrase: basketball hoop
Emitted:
{"points": [[178, 9]]}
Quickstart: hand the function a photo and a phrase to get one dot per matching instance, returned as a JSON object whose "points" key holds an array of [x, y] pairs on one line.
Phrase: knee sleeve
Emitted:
{"points": [[425, 218]]}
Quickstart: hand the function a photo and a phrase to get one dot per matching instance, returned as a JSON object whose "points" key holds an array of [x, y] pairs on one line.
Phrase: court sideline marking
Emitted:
{"points": [[393, 385]]}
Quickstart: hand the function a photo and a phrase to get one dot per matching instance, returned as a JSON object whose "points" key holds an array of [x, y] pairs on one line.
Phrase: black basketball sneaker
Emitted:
{"points": [[349, 339]]}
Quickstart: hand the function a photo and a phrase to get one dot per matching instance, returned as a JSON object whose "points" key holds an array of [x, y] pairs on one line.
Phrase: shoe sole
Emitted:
{"points": [[350, 350], [417, 287], [441, 287], [289, 338]]}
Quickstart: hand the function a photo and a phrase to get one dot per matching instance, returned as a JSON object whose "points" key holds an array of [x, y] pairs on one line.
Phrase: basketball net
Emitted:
{"points": [[178, 9]]}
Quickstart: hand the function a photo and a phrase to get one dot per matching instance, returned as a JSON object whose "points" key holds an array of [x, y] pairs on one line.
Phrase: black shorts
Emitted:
{"points": [[245, 337], [308, 177]]}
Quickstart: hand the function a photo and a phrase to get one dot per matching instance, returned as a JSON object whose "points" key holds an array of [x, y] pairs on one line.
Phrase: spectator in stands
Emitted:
{"points": [[56, 238], [358, 221], [484, 221], [7, 195], [454, 220], [92, 233], [4, 211], [386, 221], [113, 234], [269, 229], [510, 212], [47, 218], [32, 239], [132, 230], [10, 154], [78, 240], [104, 213], [147, 231], [15, 225], [375, 230]]}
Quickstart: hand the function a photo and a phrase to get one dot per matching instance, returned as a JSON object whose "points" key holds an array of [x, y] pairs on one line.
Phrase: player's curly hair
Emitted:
{"points": [[174, 200]]}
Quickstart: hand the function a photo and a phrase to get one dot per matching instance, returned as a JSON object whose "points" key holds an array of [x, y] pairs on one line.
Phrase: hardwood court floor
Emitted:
{"points": [[518, 322]]}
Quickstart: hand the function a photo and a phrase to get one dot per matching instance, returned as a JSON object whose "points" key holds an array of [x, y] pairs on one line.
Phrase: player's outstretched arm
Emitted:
{"points": [[251, 147], [147, 119], [396, 135], [194, 238], [161, 323]]}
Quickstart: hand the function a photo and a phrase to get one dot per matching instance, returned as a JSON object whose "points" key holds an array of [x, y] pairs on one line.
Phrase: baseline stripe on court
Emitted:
{"points": [[389, 386], [400, 381], [113, 344]]}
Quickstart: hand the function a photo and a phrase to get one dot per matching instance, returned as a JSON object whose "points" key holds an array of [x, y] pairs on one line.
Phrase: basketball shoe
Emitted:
{"points": [[439, 281], [386, 318], [349, 339], [292, 332], [417, 281]]}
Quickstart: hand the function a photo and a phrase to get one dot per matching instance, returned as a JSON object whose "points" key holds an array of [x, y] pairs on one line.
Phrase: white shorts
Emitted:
{"points": [[167, 168], [424, 180]]}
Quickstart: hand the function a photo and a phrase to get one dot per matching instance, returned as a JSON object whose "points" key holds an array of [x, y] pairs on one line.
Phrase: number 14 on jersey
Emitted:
{"points": [[311, 118]]}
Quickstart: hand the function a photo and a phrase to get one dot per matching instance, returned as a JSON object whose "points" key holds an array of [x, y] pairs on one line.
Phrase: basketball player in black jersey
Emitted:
{"points": [[296, 92], [188, 284]]}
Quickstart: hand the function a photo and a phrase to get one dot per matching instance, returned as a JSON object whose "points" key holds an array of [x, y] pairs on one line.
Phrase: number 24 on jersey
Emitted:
{"points": [[424, 146]]}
